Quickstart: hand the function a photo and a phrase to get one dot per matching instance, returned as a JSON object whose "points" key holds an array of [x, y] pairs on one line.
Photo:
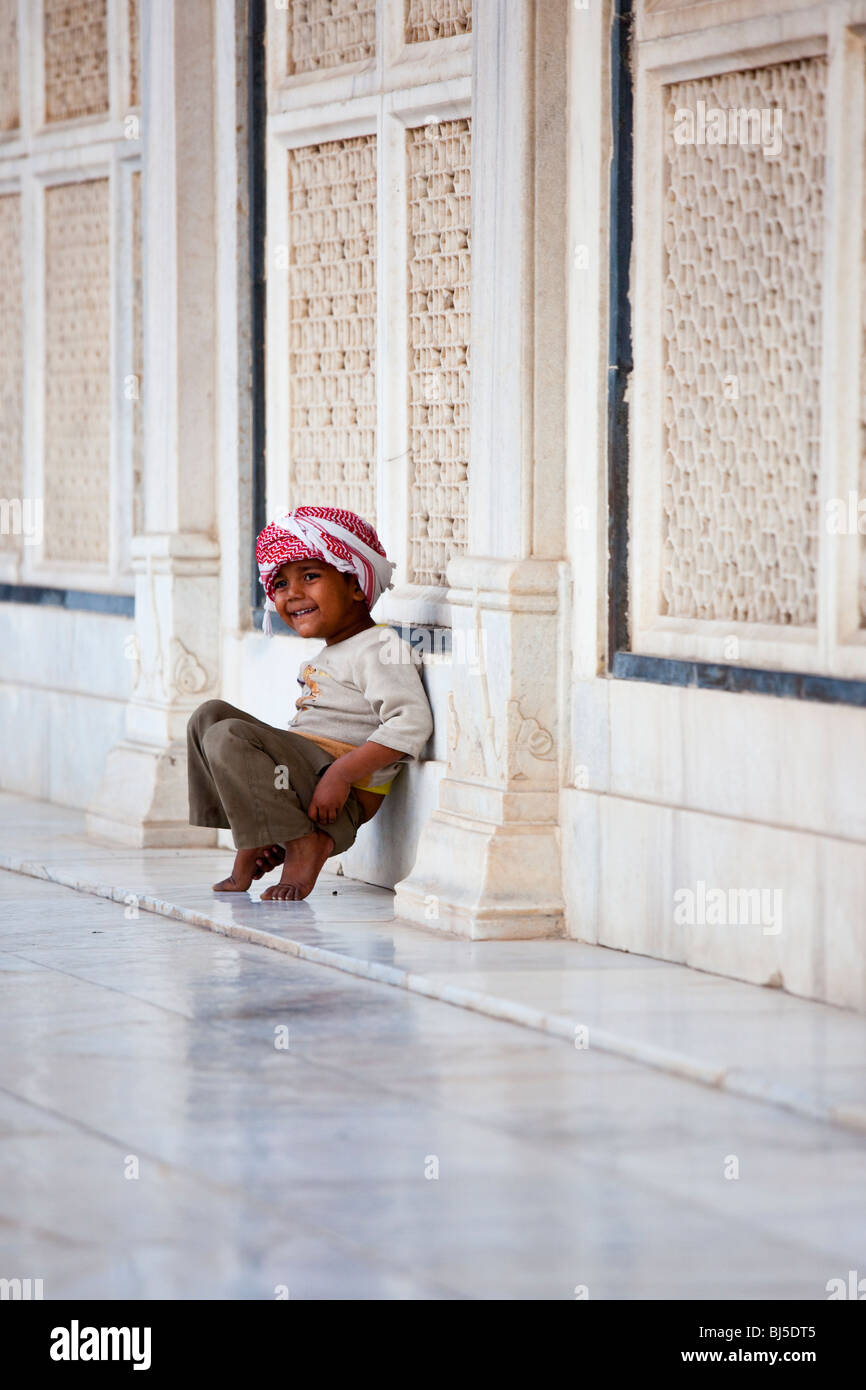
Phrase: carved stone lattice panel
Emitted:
{"points": [[11, 350], [329, 33], [332, 324], [77, 298], [439, 250], [437, 19], [76, 59], [134, 54], [134, 393], [743, 243], [9, 114]]}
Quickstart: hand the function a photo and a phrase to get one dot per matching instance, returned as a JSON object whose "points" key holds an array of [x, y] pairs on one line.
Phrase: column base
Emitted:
{"points": [[484, 882], [143, 800]]}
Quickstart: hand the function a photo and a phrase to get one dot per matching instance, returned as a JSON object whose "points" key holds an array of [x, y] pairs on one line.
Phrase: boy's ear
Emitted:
{"points": [[358, 594]]}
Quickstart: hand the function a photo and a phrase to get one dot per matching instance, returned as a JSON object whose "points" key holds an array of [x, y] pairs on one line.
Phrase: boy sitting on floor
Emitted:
{"points": [[298, 796]]}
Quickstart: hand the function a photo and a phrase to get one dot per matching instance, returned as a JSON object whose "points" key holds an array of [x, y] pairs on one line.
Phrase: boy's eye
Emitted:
{"points": [[311, 574], [279, 583]]}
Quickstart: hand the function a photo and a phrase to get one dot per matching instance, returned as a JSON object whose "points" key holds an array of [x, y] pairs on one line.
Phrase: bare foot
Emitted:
{"points": [[243, 871], [304, 860], [268, 858]]}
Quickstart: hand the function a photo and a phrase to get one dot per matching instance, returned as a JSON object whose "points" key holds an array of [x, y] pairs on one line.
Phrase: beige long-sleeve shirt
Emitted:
{"points": [[366, 689]]}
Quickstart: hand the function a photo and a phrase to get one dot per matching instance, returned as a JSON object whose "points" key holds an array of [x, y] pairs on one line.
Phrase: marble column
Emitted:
{"points": [[488, 862], [175, 650]]}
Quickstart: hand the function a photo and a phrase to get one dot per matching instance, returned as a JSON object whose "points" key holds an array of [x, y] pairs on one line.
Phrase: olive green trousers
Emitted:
{"points": [[257, 781]]}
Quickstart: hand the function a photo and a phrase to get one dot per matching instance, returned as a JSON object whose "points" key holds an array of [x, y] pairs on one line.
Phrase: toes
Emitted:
{"points": [[287, 893], [283, 892], [269, 858]]}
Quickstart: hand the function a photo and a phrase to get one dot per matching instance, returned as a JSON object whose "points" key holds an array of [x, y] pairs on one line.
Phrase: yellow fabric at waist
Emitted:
{"points": [[336, 747]]}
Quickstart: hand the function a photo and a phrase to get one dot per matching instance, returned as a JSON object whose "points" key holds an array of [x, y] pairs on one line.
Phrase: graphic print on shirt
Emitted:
{"points": [[309, 686]]}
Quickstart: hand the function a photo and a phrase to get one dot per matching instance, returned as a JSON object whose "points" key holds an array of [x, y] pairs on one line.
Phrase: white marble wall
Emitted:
{"points": [[665, 787], [64, 682], [646, 789], [676, 786], [626, 860]]}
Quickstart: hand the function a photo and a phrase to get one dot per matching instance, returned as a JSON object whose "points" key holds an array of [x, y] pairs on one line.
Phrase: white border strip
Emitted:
{"points": [[719, 1077]]}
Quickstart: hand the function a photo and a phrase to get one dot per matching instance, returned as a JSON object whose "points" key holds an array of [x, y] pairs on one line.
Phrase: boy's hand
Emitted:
{"points": [[329, 798]]}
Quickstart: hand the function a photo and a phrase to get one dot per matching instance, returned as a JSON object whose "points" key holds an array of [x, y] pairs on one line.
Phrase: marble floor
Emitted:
{"points": [[747, 1041], [187, 1115]]}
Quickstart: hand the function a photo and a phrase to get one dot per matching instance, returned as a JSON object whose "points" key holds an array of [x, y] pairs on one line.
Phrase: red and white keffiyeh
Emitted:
{"points": [[331, 535]]}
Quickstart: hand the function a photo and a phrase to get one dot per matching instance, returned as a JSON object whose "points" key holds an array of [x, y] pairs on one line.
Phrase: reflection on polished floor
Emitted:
{"points": [[188, 1116], [763, 1044]]}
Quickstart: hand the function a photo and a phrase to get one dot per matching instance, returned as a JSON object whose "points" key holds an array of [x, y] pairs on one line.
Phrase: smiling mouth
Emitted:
{"points": [[302, 612]]}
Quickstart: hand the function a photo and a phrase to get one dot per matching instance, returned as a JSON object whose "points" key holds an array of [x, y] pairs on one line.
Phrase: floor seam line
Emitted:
{"points": [[712, 1075]]}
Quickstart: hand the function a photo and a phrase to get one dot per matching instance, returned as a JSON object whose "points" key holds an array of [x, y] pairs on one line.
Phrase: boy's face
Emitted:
{"points": [[316, 600]]}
